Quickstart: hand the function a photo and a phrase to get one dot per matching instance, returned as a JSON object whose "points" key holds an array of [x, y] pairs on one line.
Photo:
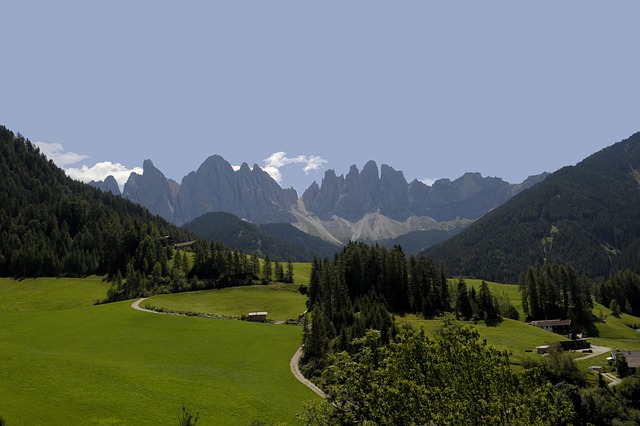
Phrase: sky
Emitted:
{"points": [[434, 89]]}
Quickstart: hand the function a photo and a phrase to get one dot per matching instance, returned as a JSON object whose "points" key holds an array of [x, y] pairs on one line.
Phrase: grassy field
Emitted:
{"points": [[301, 272], [281, 301], [65, 361], [514, 336]]}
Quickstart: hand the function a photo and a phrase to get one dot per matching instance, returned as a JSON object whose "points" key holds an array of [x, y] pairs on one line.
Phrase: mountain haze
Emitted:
{"points": [[280, 241], [585, 215]]}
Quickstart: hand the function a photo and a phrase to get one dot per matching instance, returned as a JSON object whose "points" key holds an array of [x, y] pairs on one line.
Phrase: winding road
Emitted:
{"points": [[597, 350], [295, 370]]}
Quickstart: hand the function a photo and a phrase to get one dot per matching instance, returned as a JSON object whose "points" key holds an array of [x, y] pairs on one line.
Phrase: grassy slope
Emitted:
{"points": [[68, 362], [517, 337], [513, 336], [281, 301]]}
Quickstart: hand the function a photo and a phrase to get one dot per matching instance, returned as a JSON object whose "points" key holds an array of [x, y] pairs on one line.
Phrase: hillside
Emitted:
{"points": [[584, 215], [417, 241], [51, 225], [280, 241]]}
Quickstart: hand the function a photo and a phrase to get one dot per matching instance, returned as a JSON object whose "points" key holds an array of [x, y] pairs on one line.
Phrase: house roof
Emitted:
{"points": [[552, 323], [185, 244], [633, 358], [257, 313]]}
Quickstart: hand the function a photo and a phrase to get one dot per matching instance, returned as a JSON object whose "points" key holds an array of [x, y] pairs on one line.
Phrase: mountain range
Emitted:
{"points": [[584, 215], [587, 216], [369, 205]]}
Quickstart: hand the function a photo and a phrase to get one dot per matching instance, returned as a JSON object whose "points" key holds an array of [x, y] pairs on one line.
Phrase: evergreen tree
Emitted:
{"points": [[463, 302]]}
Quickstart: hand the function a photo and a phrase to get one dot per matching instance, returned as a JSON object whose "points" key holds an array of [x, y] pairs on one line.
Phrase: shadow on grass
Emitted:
{"points": [[493, 322]]}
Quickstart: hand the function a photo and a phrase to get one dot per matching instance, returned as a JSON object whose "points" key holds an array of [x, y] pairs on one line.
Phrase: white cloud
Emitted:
{"points": [[314, 162], [55, 152], [428, 181], [274, 173], [100, 171], [279, 159]]}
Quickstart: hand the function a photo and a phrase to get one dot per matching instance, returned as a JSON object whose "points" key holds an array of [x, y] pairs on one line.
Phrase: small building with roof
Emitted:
{"points": [[557, 326], [257, 316]]}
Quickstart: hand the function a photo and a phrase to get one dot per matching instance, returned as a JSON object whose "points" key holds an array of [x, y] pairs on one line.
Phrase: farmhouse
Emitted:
{"points": [[558, 326], [632, 357], [257, 316], [575, 345]]}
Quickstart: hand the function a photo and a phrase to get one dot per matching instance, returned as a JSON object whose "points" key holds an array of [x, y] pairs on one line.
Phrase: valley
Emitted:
{"points": [[76, 351], [69, 361]]}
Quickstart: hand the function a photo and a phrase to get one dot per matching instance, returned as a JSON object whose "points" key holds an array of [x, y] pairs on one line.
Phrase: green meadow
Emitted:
{"points": [[280, 301], [514, 336], [520, 339], [66, 361]]}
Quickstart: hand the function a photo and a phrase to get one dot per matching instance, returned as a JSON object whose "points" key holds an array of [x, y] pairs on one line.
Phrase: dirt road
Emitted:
{"points": [[136, 305], [597, 350], [296, 372]]}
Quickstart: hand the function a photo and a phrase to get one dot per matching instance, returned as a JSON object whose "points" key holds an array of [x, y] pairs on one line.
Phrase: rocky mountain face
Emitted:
{"points": [[368, 205], [153, 190], [250, 194], [108, 185], [362, 193]]}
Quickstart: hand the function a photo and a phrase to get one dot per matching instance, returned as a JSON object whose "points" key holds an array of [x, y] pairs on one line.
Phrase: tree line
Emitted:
{"points": [[364, 285], [51, 225], [551, 291]]}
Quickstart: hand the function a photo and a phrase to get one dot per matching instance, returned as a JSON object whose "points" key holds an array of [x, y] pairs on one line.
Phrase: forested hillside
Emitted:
{"points": [[584, 215], [51, 225], [279, 241]]}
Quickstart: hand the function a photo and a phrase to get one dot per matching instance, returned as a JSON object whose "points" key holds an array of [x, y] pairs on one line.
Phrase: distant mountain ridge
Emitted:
{"points": [[250, 194], [361, 193], [370, 205], [280, 241], [585, 215]]}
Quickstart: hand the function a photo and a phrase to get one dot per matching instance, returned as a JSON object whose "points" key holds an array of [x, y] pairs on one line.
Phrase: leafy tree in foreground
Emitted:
{"points": [[452, 379]]}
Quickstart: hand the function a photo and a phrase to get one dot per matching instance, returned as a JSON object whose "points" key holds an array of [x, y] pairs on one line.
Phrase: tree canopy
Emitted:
{"points": [[450, 379]]}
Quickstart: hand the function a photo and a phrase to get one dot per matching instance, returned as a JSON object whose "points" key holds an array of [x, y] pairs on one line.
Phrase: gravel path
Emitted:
{"points": [[613, 379], [597, 350], [136, 305], [296, 372]]}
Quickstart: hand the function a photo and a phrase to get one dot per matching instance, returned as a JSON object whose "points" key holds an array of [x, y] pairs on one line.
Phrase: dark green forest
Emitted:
{"points": [[363, 285], [51, 225], [585, 216]]}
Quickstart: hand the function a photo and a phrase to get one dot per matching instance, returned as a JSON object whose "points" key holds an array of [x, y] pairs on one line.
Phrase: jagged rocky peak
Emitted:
{"points": [[108, 185], [250, 194], [370, 170], [245, 169], [393, 199], [152, 190]]}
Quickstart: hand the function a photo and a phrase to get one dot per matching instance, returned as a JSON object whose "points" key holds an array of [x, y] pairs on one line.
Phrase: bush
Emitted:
{"points": [[186, 418]]}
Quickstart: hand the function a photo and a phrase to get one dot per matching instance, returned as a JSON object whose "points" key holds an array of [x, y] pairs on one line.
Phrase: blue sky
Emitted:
{"points": [[435, 89]]}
